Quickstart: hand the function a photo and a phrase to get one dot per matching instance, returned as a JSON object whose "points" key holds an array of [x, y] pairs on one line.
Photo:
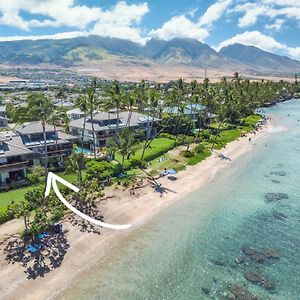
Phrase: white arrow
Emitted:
{"points": [[52, 181]]}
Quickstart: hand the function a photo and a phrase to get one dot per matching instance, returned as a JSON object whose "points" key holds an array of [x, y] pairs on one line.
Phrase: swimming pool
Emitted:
{"points": [[83, 150]]}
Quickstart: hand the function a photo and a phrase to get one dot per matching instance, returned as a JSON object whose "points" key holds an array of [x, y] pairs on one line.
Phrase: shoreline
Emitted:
{"points": [[89, 249]]}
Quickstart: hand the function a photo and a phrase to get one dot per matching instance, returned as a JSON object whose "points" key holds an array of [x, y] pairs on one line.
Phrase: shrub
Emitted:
{"points": [[5, 216], [199, 149], [101, 170], [178, 124], [187, 153], [35, 174], [167, 136], [206, 134], [198, 158]]}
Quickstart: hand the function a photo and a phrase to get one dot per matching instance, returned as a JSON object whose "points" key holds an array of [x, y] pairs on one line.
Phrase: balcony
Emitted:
{"points": [[14, 166]]}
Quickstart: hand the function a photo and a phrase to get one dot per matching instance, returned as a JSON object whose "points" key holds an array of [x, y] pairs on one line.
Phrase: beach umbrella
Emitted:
{"points": [[171, 171]]}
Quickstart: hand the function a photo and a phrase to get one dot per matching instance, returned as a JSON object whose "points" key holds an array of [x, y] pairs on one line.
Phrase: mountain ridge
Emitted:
{"points": [[183, 51]]}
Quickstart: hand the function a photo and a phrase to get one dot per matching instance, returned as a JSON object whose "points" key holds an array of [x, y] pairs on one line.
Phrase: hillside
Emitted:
{"points": [[259, 59], [95, 50]]}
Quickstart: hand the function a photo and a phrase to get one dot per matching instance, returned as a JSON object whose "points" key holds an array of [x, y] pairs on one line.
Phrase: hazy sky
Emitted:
{"points": [[273, 25]]}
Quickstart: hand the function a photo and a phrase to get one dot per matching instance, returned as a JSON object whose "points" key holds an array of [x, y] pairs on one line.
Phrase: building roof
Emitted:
{"points": [[104, 120], [14, 143], [188, 110], [34, 127], [11, 144], [76, 110]]}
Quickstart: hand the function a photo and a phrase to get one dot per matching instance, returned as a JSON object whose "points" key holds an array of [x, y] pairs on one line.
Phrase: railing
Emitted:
{"points": [[15, 165]]}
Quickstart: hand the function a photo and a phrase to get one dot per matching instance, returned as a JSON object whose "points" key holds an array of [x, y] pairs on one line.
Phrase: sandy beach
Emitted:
{"points": [[85, 249]]}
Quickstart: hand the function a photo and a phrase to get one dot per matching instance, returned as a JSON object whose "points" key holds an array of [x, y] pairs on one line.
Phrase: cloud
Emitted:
{"points": [[121, 20], [57, 36], [277, 25], [214, 12], [267, 43], [181, 27], [252, 11], [55, 12]]}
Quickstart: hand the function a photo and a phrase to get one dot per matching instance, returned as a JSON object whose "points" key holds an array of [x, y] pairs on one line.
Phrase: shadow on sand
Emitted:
{"points": [[161, 189], [91, 210], [38, 264]]}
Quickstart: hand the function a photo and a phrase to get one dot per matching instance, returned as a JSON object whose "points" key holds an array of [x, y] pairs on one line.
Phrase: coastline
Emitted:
{"points": [[88, 249]]}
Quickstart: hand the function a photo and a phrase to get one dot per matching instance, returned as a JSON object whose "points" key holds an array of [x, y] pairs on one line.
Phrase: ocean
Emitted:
{"points": [[238, 235]]}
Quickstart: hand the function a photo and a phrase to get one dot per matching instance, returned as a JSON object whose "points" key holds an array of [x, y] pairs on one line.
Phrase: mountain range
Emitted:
{"points": [[92, 49]]}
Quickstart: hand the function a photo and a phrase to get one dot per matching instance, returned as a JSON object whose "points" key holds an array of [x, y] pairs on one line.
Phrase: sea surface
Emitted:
{"points": [[193, 250]]}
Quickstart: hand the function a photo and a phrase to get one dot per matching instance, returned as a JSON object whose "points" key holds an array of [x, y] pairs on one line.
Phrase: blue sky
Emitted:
{"points": [[273, 25]]}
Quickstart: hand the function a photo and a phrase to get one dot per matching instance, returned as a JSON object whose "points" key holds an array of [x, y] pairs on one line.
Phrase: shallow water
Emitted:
{"points": [[188, 251]]}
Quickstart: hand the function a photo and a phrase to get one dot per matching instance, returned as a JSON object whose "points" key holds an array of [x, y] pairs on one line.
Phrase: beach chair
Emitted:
{"points": [[34, 248]]}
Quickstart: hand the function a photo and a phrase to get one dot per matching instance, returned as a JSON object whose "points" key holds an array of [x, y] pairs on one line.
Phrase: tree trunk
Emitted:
{"points": [[118, 115], [79, 178], [148, 135], [123, 164], [93, 132], [46, 150], [25, 222], [56, 142], [83, 130]]}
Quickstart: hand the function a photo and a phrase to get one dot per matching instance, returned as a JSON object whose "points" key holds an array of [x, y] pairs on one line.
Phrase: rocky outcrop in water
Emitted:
{"points": [[240, 260], [278, 173], [219, 262], [205, 291], [273, 197], [275, 181], [260, 256], [240, 293], [257, 278], [279, 215]]}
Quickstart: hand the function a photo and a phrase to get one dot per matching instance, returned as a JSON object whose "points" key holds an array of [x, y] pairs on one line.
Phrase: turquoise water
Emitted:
{"points": [[83, 150], [189, 250]]}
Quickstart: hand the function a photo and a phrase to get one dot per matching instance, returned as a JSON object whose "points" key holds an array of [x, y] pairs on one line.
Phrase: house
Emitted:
{"points": [[3, 111], [15, 158], [3, 122], [24, 147], [106, 125], [75, 114], [191, 110]]}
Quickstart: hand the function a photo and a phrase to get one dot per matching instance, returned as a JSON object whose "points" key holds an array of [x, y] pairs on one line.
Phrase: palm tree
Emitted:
{"points": [[56, 118], [60, 94], [124, 142], [131, 100], [75, 164], [92, 103], [82, 103], [116, 96], [141, 95], [39, 108], [153, 99]]}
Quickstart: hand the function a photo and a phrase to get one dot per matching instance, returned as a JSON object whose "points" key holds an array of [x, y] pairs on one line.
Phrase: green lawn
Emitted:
{"points": [[198, 158], [252, 120], [18, 195], [157, 148]]}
